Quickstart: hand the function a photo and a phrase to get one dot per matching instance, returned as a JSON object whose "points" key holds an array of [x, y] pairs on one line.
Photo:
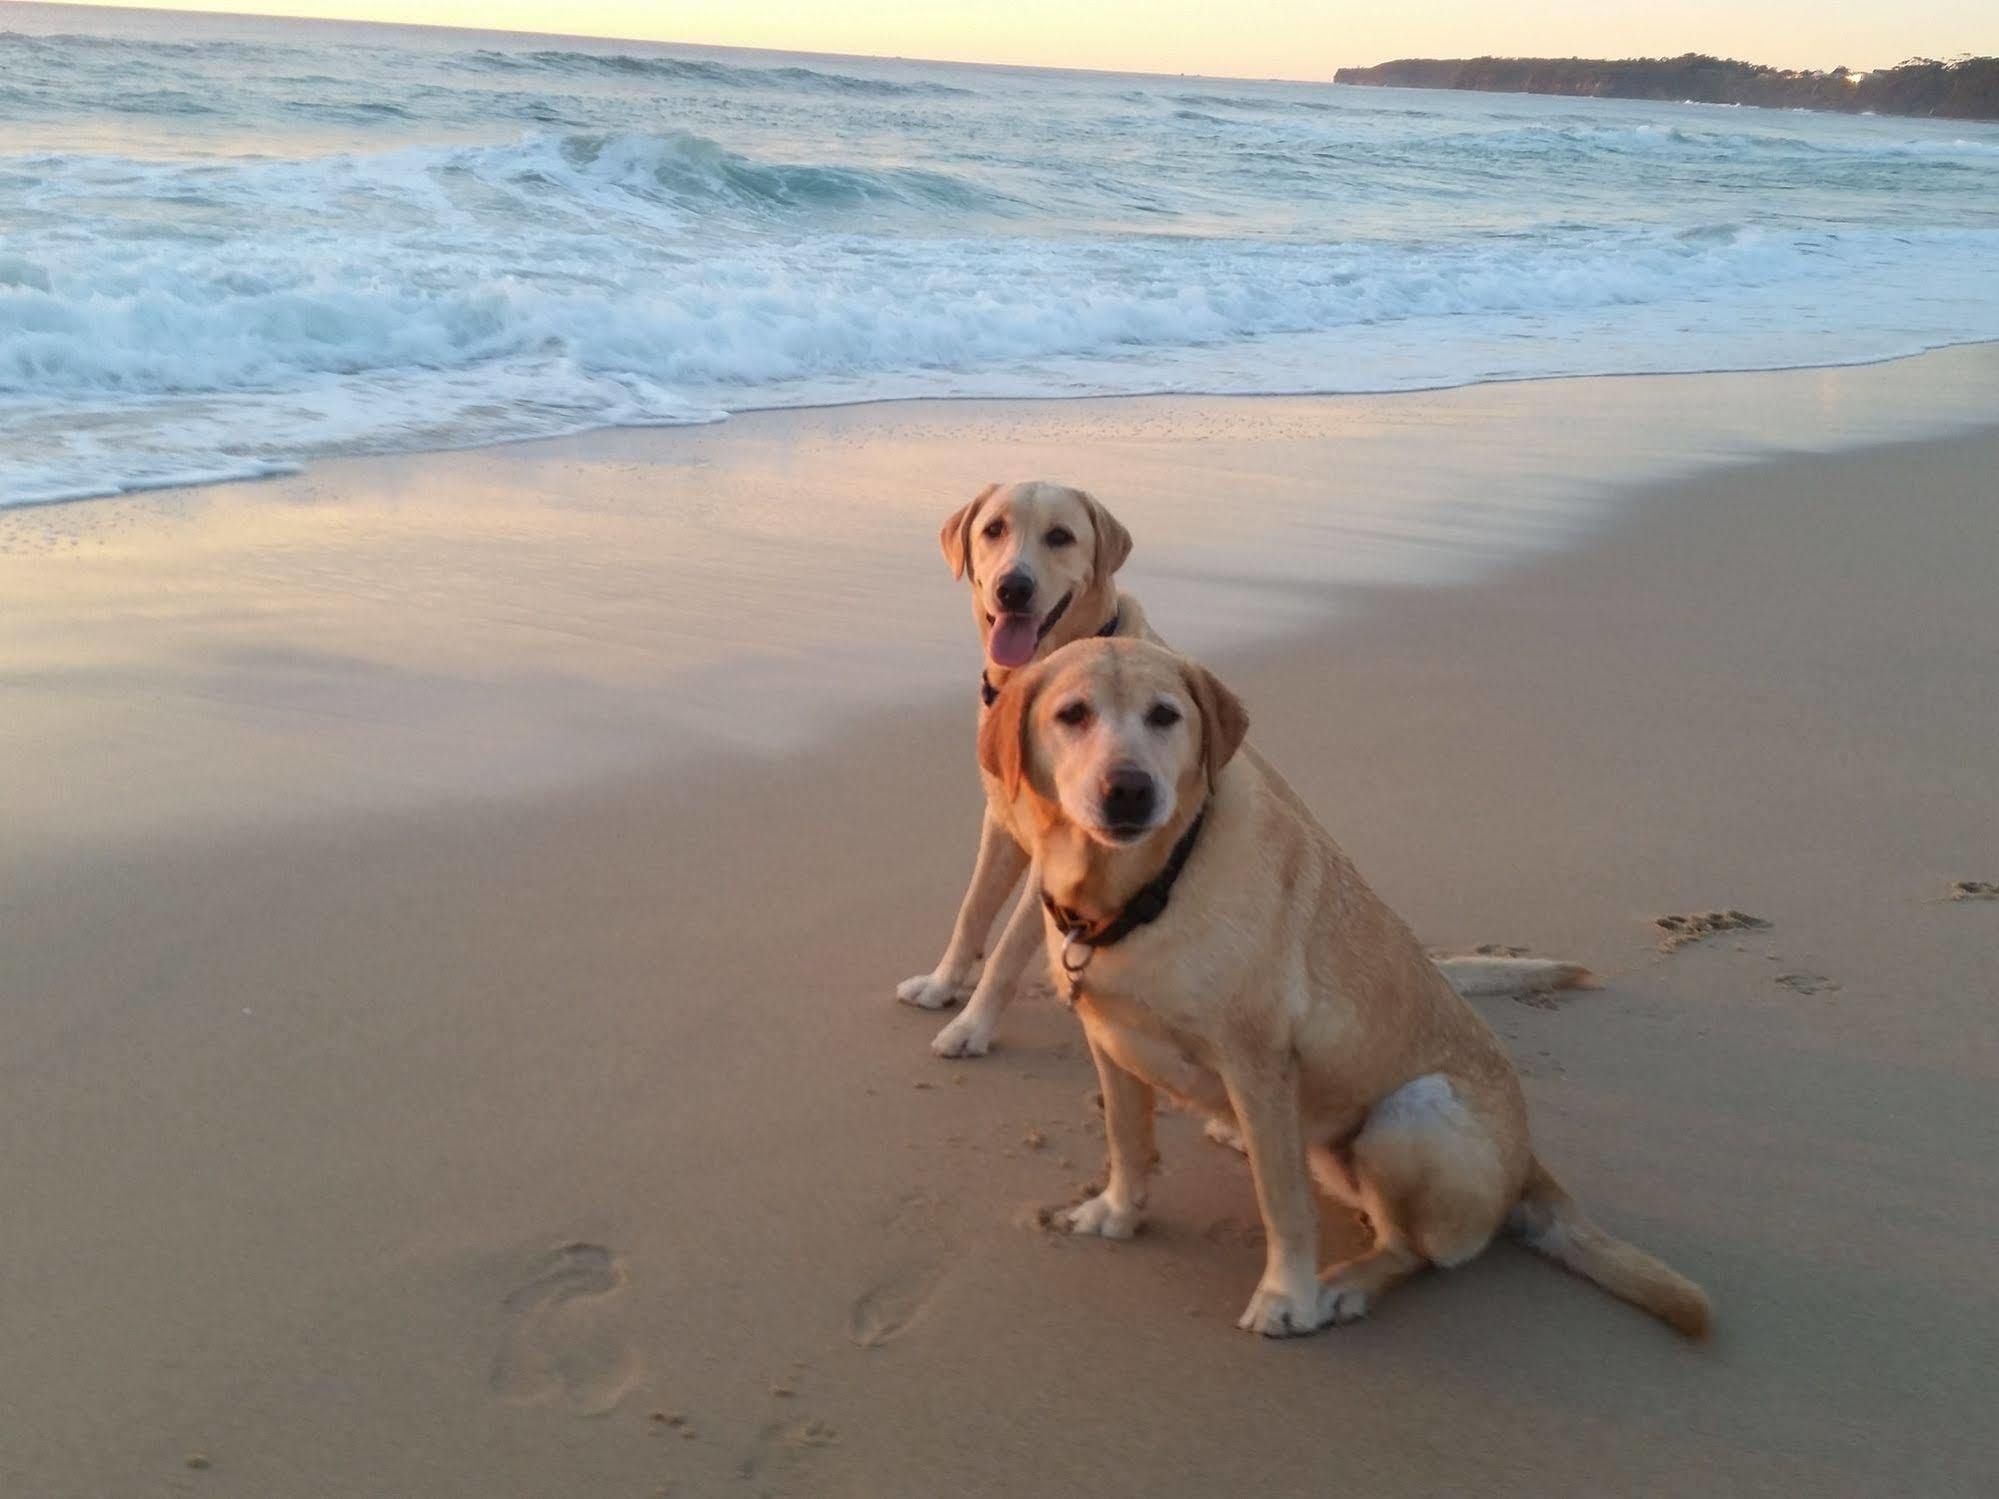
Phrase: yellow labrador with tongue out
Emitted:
{"points": [[1218, 946], [1041, 560]]}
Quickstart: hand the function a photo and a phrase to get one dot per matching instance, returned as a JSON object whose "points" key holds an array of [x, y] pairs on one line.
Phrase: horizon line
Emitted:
{"points": [[896, 57]]}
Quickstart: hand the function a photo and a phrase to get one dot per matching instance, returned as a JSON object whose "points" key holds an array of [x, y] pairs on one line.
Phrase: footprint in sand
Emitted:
{"points": [[780, 1449], [886, 1309], [1806, 983], [564, 1340], [783, 1444], [1682, 929]]}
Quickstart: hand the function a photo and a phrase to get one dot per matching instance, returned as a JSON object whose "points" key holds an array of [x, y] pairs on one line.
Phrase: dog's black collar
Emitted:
{"points": [[989, 694], [1147, 905]]}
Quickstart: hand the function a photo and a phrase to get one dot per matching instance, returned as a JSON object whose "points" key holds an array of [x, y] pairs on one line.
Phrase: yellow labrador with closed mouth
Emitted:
{"points": [[1040, 560], [1219, 947]]}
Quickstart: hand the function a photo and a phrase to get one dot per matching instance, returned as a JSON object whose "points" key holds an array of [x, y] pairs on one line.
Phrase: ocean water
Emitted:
{"points": [[230, 246]]}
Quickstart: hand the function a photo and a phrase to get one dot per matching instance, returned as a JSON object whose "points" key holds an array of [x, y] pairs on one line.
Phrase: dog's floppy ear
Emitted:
{"points": [[1224, 720], [1003, 733], [1113, 541], [956, 537]]}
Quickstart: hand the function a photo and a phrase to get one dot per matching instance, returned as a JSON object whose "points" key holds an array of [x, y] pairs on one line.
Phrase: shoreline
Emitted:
{"points": [[425, 1147], [396, 631], [260, 471]]}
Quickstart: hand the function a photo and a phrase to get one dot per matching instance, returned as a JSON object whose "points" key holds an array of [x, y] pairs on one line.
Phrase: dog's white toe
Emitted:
{"points": [[930, 991], [1103, 1218], [963, 1037], [1276, 1312], [1225, 1134], [1342, 1302]]}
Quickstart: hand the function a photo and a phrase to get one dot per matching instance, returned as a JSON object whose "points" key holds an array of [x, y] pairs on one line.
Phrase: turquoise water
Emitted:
{"points": [[229, 246]]}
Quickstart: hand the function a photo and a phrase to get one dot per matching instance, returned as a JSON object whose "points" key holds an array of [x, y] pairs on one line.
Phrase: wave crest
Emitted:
{"points": [[638, 65]]}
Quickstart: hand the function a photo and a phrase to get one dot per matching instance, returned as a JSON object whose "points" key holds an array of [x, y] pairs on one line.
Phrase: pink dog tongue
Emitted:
{"points": [[1013, 639]]}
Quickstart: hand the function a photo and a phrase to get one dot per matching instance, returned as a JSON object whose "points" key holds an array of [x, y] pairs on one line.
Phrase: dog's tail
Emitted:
{"points": [[1510, 978], [1549, 1220]]}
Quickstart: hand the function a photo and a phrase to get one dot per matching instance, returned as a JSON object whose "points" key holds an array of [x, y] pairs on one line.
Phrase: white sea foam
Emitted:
{"points": [[382, 247]]}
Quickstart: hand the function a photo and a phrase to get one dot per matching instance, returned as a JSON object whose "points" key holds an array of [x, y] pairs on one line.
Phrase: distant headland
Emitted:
{"points": [[1965, 89]]}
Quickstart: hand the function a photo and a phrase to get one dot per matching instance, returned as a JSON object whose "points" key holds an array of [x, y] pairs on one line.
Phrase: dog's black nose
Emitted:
{"points": [[1128, 797], [1015, 592]]}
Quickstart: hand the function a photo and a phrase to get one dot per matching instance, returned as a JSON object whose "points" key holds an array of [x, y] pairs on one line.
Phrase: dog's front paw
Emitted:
{"points": [[965, 1036], [1104, 1218], [1279, 1311], [933, 991]]}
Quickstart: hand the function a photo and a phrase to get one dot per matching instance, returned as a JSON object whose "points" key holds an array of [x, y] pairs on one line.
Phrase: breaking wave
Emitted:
{"points": [[288, 244]]}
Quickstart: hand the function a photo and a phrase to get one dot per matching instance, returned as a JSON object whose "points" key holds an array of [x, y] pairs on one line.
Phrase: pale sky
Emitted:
{"points": [[1247, 38]]}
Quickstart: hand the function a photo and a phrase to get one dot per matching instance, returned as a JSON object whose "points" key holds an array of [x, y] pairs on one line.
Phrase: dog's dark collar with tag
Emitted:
{"points": [[1147, 904], [989, 694]]}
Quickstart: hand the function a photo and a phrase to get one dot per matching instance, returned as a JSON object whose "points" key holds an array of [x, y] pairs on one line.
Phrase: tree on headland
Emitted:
{"points": [[1965, 88]]}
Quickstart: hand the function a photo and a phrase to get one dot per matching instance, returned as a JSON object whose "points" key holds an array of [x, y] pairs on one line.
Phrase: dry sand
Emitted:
{"points": [[565, 1140]]}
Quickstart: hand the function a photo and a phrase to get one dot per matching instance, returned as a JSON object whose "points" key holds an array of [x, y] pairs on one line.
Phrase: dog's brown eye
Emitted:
{"points": [[994, 530], [1059, 536], [1075, 715], [1162, 716]]}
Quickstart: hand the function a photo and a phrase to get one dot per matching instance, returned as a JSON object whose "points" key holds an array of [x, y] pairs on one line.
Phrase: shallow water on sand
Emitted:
{"points": [[468, 624]]}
